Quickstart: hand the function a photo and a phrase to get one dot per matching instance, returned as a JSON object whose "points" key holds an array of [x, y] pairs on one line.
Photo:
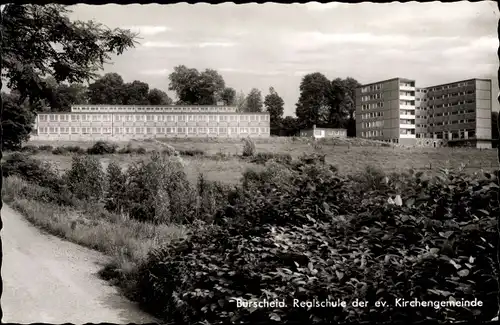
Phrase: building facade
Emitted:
{"points": [[321, 132], [397, 111], [118, 122]]}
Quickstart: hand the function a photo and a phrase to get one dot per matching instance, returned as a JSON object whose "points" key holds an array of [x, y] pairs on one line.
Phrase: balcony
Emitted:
{"points": [[407, 136], [407, 117], [406, 97], [406, 87], [407, 126]]}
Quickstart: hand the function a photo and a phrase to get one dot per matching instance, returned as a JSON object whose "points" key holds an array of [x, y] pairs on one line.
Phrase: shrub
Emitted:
{"points": [[304, 233], [45, 148], [75, 149], [263, 157], [116, 187], [158, 191], [30, 149], [86, 179], [40, 174], [60, 151], [248, 147], [169, 150], [101, 148], [192, 152], [141, 151]]}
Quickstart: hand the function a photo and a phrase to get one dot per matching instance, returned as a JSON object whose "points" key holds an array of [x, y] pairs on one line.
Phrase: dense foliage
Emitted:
{"points": [[294, 233], [299, 230]]}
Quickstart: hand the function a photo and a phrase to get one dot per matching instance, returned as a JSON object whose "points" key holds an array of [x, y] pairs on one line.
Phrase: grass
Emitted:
{"points": [[348, 159], [126, 241]]}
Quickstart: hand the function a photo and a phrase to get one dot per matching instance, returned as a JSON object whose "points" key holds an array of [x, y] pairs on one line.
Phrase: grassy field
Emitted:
{"points": [[347, 158]]}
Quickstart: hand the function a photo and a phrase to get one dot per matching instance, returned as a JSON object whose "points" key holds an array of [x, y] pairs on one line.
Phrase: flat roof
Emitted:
{"points": [[454, 82], [387, 80]]}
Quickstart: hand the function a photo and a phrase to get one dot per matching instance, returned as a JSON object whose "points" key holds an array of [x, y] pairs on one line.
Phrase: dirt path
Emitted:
{"points": [[49, 280]]}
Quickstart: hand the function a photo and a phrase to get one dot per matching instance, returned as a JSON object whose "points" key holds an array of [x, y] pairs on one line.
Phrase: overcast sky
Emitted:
{"points": [[263, 45]]}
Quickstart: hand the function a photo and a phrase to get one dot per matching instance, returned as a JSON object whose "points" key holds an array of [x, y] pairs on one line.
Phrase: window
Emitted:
{"points": [[139, 130], [192, 130], [129, 118], [53, 130], [75, 130], [64, 118], [64, 130], [212, 118], [212, 130], [191, 118], [139, 118], [253, 118], [170, 118], [149, 130], [263, 130], [181, 118], [254, 130], [160, 130], [233, 118], [96, 118], [42, 118], [223, 118], [43, 130], [53, 118], [202, 118], [150, 118], [222, 130], [233, 130], [118, 130], [106, 130], [243, 130], [244, 118], [181, 130], [106, 118], [170, 130], [75, 118], [202, 130]]}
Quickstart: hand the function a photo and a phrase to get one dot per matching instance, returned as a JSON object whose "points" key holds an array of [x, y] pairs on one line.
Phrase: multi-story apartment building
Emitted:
{"points": [[396, 111], [116, 122]]}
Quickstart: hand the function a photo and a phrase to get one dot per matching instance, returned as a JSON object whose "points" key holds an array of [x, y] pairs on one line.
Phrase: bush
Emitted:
{"points": [[263, 157], [45, 148], [156, 191], [101, 148], [86, 179], [75, 149], [40, 174], [59, 151], [192, 152], [248, 147], [141, 151], [30, 149], [303, 232]]}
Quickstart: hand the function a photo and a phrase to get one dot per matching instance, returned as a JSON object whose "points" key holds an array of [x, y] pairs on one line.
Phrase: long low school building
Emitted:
{"points": [[118, 122]]}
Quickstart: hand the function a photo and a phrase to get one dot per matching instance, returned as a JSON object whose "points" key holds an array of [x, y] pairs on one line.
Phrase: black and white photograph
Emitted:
{"points": [[250, 163]]}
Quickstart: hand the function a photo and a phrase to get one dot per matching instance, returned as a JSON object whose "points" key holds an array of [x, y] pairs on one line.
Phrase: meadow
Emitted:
{"points": [[191, 225]]}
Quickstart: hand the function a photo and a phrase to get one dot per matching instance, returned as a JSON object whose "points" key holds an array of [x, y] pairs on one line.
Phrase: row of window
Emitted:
{"points": [[150, 118], [158, 130], [461, 134], [406, 93], [450, 86], [366, 116], [374, 124], [92, 108], [365, 107], [371, 97], [451, 113], [452, 122], [373, 133], [371, 88]]}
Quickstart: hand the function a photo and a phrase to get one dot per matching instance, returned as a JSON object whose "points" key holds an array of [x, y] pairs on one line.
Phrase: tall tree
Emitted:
{"points": [[290, 126], [64, 96], [313, 106], [240, 101], [195, 88], [17, 121], [350, 85], [254, 102], [229, 96], [108, 89], [135, 93], [39, 41], [158, 97], [275, 107], [337, 114]]}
